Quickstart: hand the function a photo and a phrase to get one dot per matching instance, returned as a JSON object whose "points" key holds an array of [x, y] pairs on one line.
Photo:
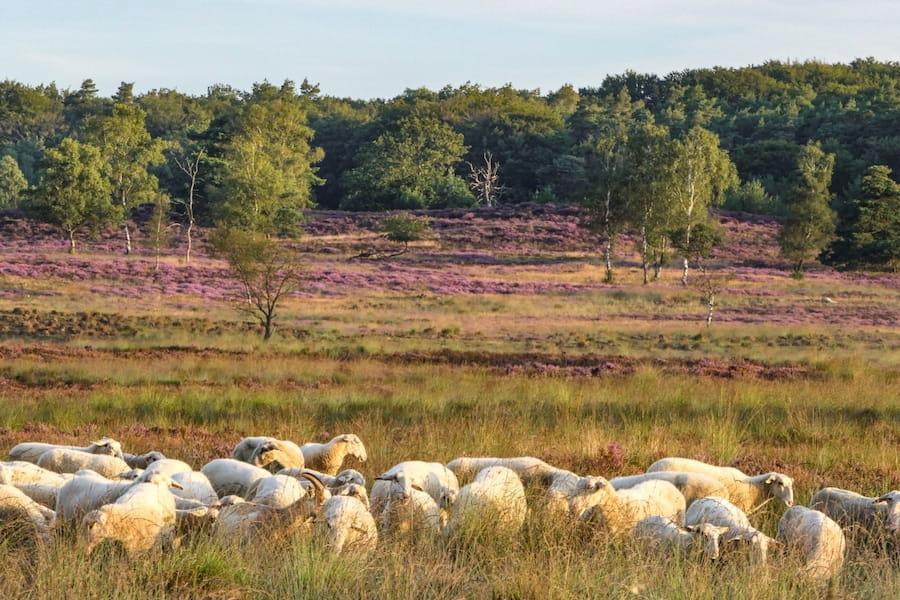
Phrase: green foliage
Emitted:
{"points": [[752, 197], [403, 228], [74, 190], [809, 220], [12, 181]]}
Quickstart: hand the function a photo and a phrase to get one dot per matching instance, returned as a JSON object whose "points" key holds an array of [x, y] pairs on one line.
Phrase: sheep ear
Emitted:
{"points": [[771, 478], [692, 528], [417, 487], [176, 485], [884, 498]]}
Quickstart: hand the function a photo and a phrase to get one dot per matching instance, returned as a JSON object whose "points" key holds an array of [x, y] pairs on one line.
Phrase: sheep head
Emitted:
{"points": [[892, 522], [355, 447], [265, 454], [708, 535], [589, 492], [108, 446], [782, 487]]}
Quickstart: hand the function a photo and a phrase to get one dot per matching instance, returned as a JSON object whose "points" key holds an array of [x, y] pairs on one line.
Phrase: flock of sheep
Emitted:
{"points": [[275, 488]]}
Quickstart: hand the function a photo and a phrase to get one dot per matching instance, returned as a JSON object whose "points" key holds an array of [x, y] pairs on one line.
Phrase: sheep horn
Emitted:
{"points": [[317, 485]]}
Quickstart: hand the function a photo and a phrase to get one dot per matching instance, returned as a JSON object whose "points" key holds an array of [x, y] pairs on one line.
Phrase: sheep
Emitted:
{"points": [[247, 521], [493, 504], [142, 461], [850, 509], [329, 457], [594, 499], [746, 492], [434, 478], [194, 487], [277, 491], [141, 518], [230, 476], [557, 496], [169, 466], [244, 449], [662, 531], [19, 471], [85, 492], [63, 460], [818, 539], [44, 494], [410, 511], [346, 525], [723, 513], [23, 519], [31, 451], [277, 454], [691, 485], [528, 468]]}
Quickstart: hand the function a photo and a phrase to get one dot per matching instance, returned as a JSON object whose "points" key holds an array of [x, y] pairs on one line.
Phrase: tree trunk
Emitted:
{"points": [[684, 271], [127, 239], [710, 303], [607, 254], [269, 327], [644, 258], [190, 227], [72, 242]]}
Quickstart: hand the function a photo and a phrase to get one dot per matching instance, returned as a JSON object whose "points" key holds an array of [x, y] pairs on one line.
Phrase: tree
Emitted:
{"points": [[484, 180], [128, 148], [705, 237], [701, 174], [12, 181], [190, 166], [266, 267], [403, 228], [809, 220], [408, 167], [266, 163], [160, 226], [73, 191]]}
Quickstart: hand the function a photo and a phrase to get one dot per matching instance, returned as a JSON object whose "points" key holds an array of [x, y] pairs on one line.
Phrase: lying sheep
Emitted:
{"points": [[329, 457], [142, 461], [194, 487], [433, 478], [410, 512], [63, 460], [691, 485], [557, 496], [85, 492], [345, 523], [277, 491], [332, 482], [721, 512], [230, 476], [31, 451], [819, 540], [595, 500], [744, 491], [19, 471], [168, 466], [44, 494], [21, 518], [528, 468], [277, 454], [853, 510], [663, 532], [492, 505], [141, 518]]}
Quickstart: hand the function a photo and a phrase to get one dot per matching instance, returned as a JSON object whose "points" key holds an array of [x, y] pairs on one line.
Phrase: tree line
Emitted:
{"points": [[814, 143]]}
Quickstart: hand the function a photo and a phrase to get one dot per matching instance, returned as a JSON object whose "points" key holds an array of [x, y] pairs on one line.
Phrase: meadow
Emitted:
{"points": [[497, 336]]}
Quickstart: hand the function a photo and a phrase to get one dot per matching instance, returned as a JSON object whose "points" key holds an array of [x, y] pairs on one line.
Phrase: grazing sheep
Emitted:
{"points": [[21, 518], [691, 485], [721, 512], [63, 460], [277, 491], [493, 504], [245, 448], [230, 476], [31, 451], [142, 461], [346, 525], [410, 511], [818, 539], [329, 457], [275, 454], [528, 468], [853, 510], [433, 478], [744, 491], [595, 500], [141, 518], [663, 532]]}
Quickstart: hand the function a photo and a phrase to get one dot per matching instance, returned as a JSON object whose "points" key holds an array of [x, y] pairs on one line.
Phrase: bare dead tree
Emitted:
{"points": [[191, 168], [484, 181], [710, 283]]}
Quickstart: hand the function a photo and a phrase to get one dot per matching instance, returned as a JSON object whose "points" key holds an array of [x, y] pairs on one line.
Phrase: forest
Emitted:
{"points": [[813, 143]]}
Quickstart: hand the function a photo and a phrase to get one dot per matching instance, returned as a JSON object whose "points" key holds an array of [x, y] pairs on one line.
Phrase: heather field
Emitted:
{"points": [[496, 336]]}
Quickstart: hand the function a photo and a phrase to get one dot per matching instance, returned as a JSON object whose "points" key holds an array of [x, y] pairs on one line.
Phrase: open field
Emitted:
{"points": [[496, 337]]}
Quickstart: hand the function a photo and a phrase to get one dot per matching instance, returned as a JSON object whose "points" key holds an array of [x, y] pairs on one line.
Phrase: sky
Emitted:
{"points": [[367, 49]]}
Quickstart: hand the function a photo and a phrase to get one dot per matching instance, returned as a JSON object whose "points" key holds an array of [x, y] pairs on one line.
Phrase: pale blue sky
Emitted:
{"points": [[377, 48]]}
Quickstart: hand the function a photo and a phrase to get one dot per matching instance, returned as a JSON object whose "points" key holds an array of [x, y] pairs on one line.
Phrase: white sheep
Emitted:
{"points": [[63, 460], [346, 525], [244, 449], [329, 457], [230, 476], [558, 494], [194, 487], [85, 492], [691, 485], [44, 494], [23, 518], [493, 504], [277, 491], [169, 466], [31, 451], [852, 510], [744, 491], [817, 538], [665, 533], [595, 500], [332, 482], [19, 471], [528, 468], [723, 513], [433, 478], [141, 518], [277, 454], [410, 512], [142, 461]]}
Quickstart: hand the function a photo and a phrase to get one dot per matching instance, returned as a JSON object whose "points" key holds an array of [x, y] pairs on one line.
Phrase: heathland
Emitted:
{"points": [[496, 335]]}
